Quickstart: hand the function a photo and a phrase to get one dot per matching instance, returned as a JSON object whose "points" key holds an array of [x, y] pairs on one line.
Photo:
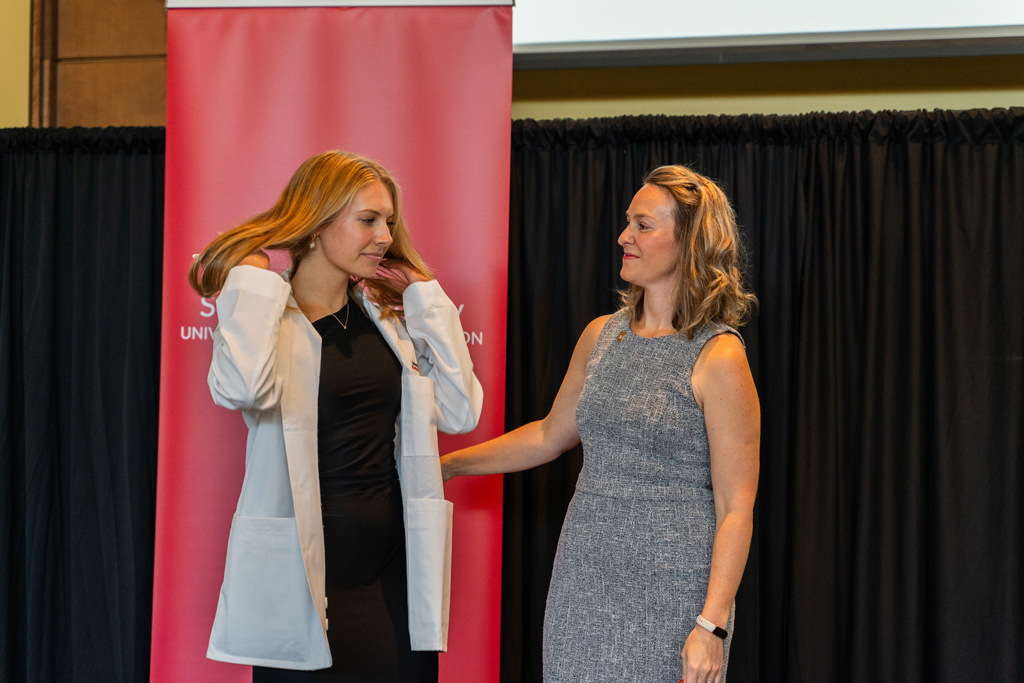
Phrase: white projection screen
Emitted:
{"points": [[566, 33]]}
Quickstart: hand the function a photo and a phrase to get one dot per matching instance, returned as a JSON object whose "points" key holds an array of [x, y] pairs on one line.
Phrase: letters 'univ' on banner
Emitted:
{"points": [[253, 89]]}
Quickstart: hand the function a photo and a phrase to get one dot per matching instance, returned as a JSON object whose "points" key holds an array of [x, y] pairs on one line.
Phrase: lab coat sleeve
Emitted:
{"points": [[432, 322], [243, 374]]}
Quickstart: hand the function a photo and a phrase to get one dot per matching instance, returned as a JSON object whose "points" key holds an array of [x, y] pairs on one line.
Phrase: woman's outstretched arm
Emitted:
{"points": [[537, 442]]}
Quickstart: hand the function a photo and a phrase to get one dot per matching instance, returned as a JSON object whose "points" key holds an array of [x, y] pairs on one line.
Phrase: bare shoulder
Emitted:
{"points": [[587, 340], [721, 366], [593, 329], [721, 352], [561, 418]]}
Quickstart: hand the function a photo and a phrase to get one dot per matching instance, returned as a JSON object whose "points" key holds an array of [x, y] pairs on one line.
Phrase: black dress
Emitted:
{"points": [[361, 502]]}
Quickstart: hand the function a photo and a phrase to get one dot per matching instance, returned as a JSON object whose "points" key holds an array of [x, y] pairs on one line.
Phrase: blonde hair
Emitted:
{"points": [[709, 287], [318, 192]]}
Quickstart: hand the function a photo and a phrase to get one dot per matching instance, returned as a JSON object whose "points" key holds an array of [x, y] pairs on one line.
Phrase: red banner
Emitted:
{"points": [[251, 93]]}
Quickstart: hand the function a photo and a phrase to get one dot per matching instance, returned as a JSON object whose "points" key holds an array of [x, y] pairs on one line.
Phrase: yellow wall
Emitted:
{"points": [[779, 88], [111, 63], [774, 88], [15, 62]]}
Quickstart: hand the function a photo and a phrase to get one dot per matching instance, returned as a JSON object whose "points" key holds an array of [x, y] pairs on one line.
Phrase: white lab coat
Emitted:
{"points": [[266, 363]]}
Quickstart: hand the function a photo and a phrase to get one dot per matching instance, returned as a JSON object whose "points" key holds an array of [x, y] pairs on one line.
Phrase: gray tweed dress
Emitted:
{"points": [[633, 561]]}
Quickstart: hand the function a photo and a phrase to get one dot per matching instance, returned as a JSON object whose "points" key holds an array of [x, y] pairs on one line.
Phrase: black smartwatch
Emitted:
{"points": [[717, 630]]}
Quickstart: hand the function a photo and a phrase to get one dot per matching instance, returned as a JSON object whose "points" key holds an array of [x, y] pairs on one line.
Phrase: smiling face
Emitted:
{"points": [[650, 248], [358, 238]]}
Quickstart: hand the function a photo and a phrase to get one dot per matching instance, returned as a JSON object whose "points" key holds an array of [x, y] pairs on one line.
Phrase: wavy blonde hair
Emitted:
{"points": [[319, 191], [709, 288]]}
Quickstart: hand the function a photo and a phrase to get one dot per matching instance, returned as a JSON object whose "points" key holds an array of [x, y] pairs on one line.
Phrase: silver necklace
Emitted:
{"points": [[344, 325]]}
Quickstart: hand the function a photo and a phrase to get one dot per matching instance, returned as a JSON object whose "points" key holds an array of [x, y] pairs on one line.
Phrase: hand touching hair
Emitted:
{"points": [[321, 188]]}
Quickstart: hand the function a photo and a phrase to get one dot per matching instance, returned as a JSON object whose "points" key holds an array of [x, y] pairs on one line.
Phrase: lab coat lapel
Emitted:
{"points": [[403, 348], [301, 380]]}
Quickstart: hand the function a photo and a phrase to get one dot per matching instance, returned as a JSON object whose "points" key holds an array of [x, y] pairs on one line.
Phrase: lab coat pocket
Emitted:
{"points": [[265, 608], [429, 547], [419, 416]]}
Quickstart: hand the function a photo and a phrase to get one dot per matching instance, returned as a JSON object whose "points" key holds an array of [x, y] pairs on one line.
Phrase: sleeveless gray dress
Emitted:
{"points": [[633, 560]]}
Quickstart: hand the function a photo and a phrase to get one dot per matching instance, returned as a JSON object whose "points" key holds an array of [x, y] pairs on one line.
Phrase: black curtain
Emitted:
{"points": [[886, 250], [81, 241]]}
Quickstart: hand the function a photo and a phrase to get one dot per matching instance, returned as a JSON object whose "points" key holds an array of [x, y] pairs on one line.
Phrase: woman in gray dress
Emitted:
{"points": [[656, 536]]}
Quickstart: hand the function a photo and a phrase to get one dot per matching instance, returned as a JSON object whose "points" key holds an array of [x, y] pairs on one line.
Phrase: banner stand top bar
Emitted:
{"points": [[194, 4]]}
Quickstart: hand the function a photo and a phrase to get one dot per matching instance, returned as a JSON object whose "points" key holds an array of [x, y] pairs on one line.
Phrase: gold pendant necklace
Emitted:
{"points": [[344, 325]]}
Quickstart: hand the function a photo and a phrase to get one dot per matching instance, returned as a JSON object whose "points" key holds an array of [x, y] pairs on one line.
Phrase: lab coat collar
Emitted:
{"points": [[403, 348]]}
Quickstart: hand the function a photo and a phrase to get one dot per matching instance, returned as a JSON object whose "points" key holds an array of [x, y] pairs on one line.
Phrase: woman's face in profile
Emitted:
{"points": [[650, 248], [359, 237]]}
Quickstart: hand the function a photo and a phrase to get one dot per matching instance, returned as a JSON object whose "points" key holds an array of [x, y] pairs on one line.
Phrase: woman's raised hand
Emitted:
{"points": [[411, 274], [260, 259]]}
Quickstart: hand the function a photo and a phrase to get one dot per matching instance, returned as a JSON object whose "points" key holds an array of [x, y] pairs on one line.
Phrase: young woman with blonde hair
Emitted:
{"points": [[656, 536], [344, 367]]}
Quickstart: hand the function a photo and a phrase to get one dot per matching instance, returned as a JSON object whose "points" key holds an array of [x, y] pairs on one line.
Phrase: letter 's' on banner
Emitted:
{"points": [[251, 93]]}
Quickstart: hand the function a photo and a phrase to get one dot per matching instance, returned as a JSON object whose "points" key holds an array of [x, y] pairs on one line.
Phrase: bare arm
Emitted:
{"points": [[725, 391], [537, 442]]}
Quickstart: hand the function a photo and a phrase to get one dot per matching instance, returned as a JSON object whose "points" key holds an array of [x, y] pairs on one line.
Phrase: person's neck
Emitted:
{"points": [[318, 290], [659, 309]]}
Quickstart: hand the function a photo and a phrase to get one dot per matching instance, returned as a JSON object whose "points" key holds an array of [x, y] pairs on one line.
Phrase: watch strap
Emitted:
{"points": [[717, 630]]}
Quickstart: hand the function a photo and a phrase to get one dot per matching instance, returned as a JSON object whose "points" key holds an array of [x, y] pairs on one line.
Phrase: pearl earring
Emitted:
{"points": [[312, 243]]}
